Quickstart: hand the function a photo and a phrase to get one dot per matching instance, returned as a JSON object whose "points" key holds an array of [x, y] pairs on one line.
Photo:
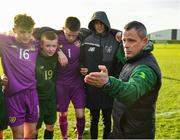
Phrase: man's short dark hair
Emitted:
{"points": [[138, 26], [72, 23]]}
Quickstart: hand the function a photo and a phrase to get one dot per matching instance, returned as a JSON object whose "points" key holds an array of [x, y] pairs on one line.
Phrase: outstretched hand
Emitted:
{"points": [[97, 79]]}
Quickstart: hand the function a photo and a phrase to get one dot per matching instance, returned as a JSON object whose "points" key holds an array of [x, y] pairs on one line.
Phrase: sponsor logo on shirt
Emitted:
{"points": [[77, 43], [91, 49], [42, 67], [12, 119], [108, 49], [13, 46]]}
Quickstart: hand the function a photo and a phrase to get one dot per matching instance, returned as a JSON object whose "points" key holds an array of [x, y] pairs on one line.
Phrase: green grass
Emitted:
{"points": [[168, 125], [168, 104]]}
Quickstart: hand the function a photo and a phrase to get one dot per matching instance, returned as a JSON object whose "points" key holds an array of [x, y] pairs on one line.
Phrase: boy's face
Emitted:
{"points": [[70, 35], [49, 47], [99, 26], [22, 35]]}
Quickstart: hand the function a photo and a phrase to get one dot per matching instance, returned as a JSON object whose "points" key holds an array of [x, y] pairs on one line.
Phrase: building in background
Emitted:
{"points": [[166, 36]]}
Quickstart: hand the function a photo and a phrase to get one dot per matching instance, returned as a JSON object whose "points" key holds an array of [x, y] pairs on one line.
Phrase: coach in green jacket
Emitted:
{"points": [[137, 88]]}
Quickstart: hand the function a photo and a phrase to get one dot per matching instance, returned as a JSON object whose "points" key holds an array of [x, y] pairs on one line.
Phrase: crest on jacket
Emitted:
{"points": [[108, 49]]}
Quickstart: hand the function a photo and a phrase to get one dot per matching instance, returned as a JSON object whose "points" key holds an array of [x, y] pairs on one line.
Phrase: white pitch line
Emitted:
{"points": [[73, 123], [167, 113]]}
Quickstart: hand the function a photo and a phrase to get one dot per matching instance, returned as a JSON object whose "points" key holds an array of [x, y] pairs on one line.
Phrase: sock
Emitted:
{"points": [[63, 126], [1, 134], [80, 125], [36, 136], [48, 134]]}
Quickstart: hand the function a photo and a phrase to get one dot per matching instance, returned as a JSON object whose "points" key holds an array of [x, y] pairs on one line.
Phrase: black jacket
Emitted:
{"points": [[98, 49]]}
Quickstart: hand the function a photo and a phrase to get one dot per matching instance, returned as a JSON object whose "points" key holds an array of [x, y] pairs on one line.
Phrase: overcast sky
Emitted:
{"points": [[155, 14]]}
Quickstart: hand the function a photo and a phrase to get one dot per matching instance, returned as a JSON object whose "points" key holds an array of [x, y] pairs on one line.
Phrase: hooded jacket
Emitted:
{"points": [[99, 49]]}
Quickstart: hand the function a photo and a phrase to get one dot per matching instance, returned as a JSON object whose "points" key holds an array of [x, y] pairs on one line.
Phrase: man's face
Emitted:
{"points": [[22, 35], [70, 35], [132, 43], [49, 46], [99, 26]]}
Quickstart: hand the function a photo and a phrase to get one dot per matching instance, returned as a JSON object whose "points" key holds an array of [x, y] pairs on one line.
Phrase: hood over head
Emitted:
{"points": [[101, 16]]}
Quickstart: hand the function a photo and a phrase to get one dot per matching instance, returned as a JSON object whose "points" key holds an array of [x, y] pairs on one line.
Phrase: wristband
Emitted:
{"points": [[108, 84]]}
